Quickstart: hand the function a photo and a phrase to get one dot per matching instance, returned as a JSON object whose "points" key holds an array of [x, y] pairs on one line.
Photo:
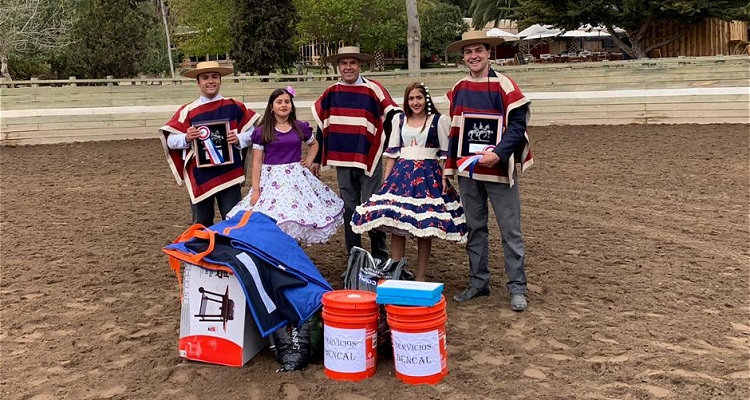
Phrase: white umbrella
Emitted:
{"points": [[579, 33], [496, 32], [539, 31]]}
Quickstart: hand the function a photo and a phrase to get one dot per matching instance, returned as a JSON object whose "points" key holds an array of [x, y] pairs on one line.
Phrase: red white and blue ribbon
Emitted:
{"points": [[471, 161], [213, 153]]}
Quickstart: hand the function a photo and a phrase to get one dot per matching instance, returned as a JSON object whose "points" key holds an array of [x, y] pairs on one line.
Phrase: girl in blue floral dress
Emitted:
{"points": [[416, 200]]}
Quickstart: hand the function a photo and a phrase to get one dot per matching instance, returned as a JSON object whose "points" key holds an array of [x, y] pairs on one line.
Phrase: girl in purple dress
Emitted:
{"points": [[415, 200], [283, 186]]}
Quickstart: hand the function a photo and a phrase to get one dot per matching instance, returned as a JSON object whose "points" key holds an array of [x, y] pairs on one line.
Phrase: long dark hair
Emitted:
{"points": [[429, 105], [268, 123]]}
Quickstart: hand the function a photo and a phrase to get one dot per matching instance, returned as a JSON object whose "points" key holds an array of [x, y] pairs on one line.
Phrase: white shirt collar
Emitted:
{"points": [[359, 81], [204, 99]]}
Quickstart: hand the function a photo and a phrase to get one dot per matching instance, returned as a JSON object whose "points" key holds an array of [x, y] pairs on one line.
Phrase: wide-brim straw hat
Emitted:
{"points": [[347, 52], [207, 66], [474, 37]]}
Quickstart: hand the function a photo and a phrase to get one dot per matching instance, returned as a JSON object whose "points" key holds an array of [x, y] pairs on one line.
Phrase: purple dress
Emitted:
{"points": [[303, 206]]}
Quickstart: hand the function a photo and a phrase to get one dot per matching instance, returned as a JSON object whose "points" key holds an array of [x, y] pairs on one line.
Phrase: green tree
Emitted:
{"points": [[262, 35], [441, 25], [636, 17], [485, 11], [463, 5], [202, 26], [110, 38], [375, 25], [385, 28], [155, 59]]}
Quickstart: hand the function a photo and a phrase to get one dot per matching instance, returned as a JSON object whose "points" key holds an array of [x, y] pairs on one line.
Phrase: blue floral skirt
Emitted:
{"points": [[411, 203]]}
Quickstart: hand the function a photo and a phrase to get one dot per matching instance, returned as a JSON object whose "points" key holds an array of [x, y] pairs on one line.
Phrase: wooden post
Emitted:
{"points": [[33, 82], [109, 80], [72, 80]]}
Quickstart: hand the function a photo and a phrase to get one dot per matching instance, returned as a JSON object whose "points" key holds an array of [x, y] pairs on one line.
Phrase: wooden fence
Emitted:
{"points": [[710, 37], [674, 90]]}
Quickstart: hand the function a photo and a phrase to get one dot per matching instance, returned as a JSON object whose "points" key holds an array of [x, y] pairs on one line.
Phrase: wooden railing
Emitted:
{"points": [[676, 90]]}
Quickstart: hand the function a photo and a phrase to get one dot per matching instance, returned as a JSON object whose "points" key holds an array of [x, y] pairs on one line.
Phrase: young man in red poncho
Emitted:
{"points": [[353, 117], [218, 180], [485, 95]]}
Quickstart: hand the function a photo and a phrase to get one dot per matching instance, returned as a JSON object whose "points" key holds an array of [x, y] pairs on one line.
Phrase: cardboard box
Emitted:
{"points": [[409, 293], [216, 325]]}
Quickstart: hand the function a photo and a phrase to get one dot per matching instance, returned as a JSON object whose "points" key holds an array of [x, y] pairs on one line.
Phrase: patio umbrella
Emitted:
{"points": [[587, 31], [538, 31], [496, 32], [582, 34]]}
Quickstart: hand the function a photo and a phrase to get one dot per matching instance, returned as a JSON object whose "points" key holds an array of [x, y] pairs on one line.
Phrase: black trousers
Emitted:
{"points": [[356, 188], [203, 212]]}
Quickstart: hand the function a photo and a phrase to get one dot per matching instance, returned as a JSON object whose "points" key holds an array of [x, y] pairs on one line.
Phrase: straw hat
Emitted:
{"points": [[207, 66], [474, 37], [347, 52]]}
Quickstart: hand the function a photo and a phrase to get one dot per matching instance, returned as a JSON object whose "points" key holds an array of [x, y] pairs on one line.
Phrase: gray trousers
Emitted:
{"points": [[506, 203], [203, 211], [356, 188]]}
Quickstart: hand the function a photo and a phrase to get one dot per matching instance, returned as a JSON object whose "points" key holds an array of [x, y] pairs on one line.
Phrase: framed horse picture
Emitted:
{"points": [[479, 132], [212, 147]]}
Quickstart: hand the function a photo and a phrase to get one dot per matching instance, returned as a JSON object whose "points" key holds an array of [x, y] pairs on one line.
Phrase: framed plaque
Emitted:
{"points": [[479, 132], [212, 148]]}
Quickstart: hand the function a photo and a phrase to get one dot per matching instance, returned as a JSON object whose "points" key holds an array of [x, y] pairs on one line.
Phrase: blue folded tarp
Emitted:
{"points": [[281, 284]]}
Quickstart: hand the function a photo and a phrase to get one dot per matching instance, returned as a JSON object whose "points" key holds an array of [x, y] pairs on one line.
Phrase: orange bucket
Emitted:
{"points": [[420, 352], [350, 334]]}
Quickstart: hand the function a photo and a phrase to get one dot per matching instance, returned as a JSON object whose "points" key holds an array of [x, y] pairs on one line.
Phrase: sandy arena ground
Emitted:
{"points": [[637, 258]]}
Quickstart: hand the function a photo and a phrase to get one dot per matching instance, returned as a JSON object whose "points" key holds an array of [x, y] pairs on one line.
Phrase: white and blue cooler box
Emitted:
{"points": [[409, 293]]}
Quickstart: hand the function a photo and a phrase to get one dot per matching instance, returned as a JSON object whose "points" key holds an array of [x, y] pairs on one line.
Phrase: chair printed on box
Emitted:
{"points": [[226, 307]]}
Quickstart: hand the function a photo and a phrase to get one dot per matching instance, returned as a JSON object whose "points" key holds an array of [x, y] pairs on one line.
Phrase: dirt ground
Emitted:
{"points": [[637, 260]]}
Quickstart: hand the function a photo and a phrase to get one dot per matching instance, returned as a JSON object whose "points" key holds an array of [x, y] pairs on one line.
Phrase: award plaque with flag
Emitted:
{"points": [[479, 132], [212, 148]]}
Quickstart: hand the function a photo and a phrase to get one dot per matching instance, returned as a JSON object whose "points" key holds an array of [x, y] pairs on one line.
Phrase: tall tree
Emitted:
{"points": [[636, 17], [413, 37], [28, 26], [463, 5], [167, 36], [384, 28], [375, 25], [202, 26], [441, 25], [158, 57], [262, 35], [111, 38], [485, 11]]}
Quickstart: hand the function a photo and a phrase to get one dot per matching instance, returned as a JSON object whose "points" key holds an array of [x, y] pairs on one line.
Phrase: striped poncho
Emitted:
{"points": [[351, 118], [494, 94], [205, 182]]}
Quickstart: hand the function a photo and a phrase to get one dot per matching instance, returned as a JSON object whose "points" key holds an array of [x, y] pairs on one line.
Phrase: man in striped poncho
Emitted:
{"points": [[218, 183], [485, 96], [352, 117]]}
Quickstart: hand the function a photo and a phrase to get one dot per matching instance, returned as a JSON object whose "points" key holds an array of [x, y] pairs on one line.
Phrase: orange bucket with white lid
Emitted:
{"points": [[350, 329], [409, 313], [420, 351]]}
